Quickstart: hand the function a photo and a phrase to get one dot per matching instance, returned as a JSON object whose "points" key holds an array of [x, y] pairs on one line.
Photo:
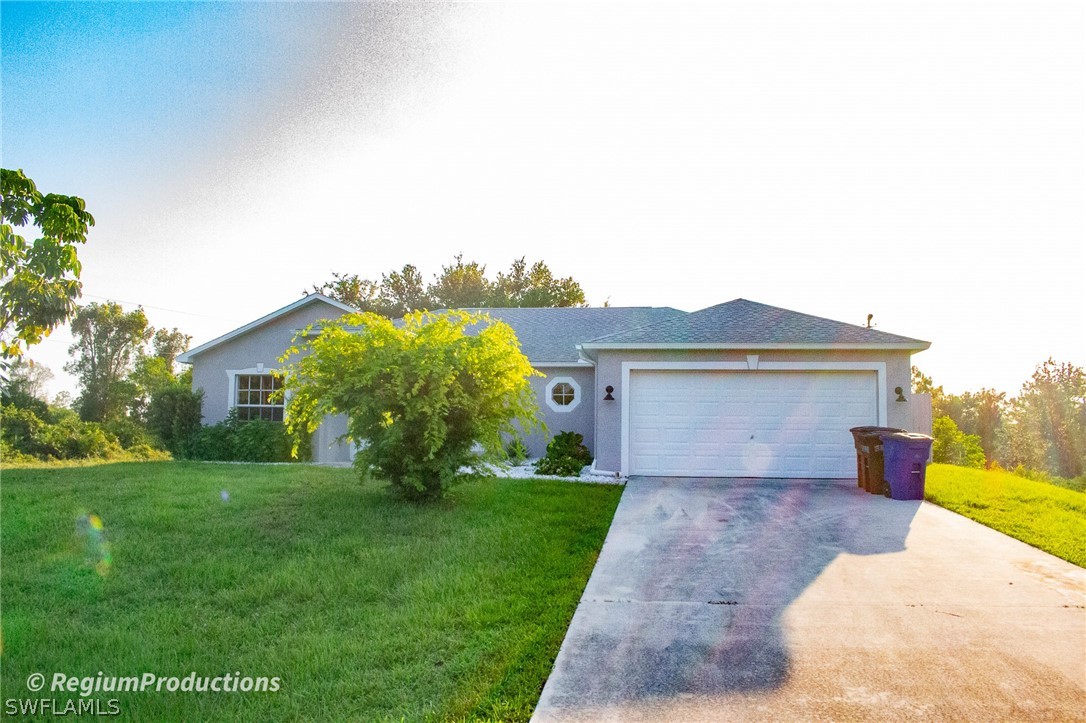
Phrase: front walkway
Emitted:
{"points": [[755, 599]]}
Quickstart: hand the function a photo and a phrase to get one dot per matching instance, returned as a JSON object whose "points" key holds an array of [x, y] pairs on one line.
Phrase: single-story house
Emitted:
{"points": [[740, 389]]}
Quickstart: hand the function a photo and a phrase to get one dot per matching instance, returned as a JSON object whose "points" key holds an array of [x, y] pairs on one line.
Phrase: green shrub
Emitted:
{"points": [[72, 439], [566, 455], [129, 433], [214, 442], [952, 446], [13, 395], [20, 428], [11, 456], [174, 414], [516, 451], [56, 415], [147, 453], [1073, 483], [434, 396], [68, 438], [234, 440], [1036, 475], [561, 466], [261, 441], [63, 436], [569, 444]]}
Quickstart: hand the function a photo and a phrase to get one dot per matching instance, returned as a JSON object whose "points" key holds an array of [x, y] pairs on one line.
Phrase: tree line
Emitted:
{"points": [[460, 285], [1041, 430], [132, 401]]}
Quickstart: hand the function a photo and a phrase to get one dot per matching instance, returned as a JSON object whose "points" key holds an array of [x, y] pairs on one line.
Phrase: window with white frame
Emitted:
{"points": [[253, 397], [563, 394]]}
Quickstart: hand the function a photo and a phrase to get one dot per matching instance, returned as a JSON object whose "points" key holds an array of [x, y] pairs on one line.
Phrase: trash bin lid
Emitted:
{"points": [[911, 439], [870, 439], [867, 435]]}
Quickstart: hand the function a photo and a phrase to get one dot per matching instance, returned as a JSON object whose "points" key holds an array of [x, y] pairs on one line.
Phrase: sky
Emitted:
{"points": [[919, 161]]}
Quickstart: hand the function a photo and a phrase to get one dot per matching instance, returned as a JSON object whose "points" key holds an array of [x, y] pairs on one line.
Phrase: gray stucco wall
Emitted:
{"points": [[579, 419], [608, 432], [260, 346], [327, 448], [266, 344]]}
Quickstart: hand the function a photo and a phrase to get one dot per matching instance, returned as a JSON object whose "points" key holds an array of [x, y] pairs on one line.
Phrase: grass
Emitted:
{"points": [[1044, 515], [367, 608]]}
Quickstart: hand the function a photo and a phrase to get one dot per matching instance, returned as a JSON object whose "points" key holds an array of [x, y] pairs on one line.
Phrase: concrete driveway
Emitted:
{"points": [[809, 600]]}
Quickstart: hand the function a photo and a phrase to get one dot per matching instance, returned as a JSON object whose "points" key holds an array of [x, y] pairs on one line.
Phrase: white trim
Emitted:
{"points": [[878, 367], [232, 383], [583, 357], [186, 357], [562, 365], [576, 394], [833, 346], [752, 361]]}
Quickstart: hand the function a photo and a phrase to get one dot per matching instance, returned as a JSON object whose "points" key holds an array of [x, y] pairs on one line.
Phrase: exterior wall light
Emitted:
{"points": [[608, 389], [900, 395]]}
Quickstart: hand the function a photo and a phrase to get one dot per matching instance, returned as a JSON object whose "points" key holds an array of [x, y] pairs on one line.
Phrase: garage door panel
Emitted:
{"points": [[769, 424]]}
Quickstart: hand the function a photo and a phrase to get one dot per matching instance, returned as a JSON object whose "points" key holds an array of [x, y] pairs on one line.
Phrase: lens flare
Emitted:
{"points": [[93, 532]]}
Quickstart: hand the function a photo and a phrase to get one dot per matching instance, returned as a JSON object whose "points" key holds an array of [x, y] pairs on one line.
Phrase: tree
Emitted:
{"points": [[403, 292], [942, 404], [25, 386], [982, 415], [107, 343], [40, 279], [461, 286], [398, 293], [418, 397], [922, 384], [952, 446], [149, 374], [535, 287], [174, 415], [169, 345], [28, 378], [1047, 421], [352, 290], [156, 371]]}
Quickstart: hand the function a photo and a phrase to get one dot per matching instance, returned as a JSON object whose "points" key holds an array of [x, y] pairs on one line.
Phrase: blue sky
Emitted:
{"points": [[128, 85], [919, 161]]}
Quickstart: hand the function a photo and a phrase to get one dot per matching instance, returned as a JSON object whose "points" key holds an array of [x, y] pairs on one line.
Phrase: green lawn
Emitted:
{"points": [[366, 607], [1046, 516]]}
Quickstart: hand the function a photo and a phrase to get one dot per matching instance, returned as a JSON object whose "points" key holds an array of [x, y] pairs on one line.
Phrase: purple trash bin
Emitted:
{"points": [[905, 463]]}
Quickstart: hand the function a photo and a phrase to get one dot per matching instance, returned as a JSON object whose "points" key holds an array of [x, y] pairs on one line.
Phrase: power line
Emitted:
{"points": [[159, 308]]}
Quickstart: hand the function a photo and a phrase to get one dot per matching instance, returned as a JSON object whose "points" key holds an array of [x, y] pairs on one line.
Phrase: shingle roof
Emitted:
{"points": [[744, 322], [552, 335]]}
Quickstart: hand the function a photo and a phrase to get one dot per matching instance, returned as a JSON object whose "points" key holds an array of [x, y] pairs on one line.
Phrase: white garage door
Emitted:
{"points": [[747, 424]]}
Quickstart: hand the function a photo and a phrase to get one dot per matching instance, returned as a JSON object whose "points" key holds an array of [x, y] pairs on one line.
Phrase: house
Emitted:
{"points": [[740, 389]]}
